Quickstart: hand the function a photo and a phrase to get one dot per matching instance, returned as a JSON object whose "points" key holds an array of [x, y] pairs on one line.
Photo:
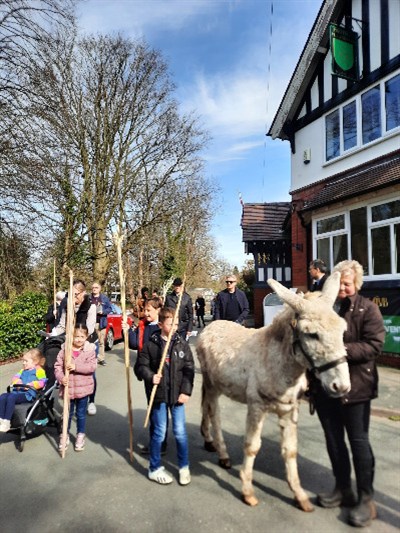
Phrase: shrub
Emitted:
{"points": [[20, 320]]}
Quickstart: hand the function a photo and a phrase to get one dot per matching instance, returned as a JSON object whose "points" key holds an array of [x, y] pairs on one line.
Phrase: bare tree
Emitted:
{"points": [[102, 143]]}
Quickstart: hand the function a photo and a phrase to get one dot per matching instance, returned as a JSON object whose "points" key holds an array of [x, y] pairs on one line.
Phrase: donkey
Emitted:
{"points": [[265, 369]]}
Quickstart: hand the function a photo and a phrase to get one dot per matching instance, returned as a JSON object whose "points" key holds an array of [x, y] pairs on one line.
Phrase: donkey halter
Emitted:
{"points": [[314, 368]]}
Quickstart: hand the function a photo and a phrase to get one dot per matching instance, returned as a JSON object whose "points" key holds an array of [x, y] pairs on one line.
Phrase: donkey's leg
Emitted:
{"points": [[288, 425], [205, 427], [219, 443], [252, 445]]}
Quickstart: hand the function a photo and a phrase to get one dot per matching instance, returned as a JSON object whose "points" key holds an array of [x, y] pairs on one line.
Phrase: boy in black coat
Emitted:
{"points": [[174, 388]]}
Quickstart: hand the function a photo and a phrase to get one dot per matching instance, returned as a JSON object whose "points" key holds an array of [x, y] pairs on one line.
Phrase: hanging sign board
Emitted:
{"points": [[344, 51]]}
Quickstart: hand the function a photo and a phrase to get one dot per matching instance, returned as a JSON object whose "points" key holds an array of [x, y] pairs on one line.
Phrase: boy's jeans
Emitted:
{"points": [[81, 406], [159, 417]]}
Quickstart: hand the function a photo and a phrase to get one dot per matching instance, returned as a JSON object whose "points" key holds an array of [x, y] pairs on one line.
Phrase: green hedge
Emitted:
{"points": [[20, 320]]}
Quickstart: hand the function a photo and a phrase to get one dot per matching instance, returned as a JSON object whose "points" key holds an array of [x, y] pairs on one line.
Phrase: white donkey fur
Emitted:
{"points": [[265, 370]]}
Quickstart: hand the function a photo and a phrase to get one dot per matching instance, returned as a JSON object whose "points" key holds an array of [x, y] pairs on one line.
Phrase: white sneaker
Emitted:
{"points": [[5, 425], [160, 476], [61, 443], [80, 442], [184, 476], [92, 409]]}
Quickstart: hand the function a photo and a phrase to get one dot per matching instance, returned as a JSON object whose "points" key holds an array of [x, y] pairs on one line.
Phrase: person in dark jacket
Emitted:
{"points": [[185, 311], [200, 306], [318, 274], [174, 387], [363, 339], [138, 336], [103, 309], [52, 316], [231, 303]]}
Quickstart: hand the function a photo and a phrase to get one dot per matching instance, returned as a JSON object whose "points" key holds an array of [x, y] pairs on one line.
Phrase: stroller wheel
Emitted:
{"points": [[21, 443]]}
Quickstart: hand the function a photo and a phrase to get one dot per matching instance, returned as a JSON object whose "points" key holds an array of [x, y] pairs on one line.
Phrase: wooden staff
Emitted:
{"points": [[69, 333], [54, 289], [164, 355], [118, 241]]}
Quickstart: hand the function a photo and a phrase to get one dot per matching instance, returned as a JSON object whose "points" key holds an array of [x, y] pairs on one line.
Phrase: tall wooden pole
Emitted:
{"points": [[69, 330], [54, 288], [164, 355], [118, 241]]}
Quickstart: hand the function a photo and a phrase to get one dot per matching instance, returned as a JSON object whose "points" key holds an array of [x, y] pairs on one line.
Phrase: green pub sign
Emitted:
{"points": [[344, 50]]}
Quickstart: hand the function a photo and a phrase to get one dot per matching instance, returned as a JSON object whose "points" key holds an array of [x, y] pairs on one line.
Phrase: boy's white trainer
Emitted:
{"points": [[160, 476], [184, 476]]}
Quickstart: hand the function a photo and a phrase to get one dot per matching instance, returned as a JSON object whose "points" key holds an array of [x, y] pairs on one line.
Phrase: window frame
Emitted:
{"points": [[391, 222], [359, 123]]}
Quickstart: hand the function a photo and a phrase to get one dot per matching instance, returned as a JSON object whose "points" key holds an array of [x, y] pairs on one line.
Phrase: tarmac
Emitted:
{"points": [[102, 491]]}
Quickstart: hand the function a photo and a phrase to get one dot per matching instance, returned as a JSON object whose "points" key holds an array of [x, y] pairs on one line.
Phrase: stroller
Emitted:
{"points": [[32, 419]]}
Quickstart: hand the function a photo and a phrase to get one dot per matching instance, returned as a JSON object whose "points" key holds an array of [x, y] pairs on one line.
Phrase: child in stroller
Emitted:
{"points": [[30, 419]]}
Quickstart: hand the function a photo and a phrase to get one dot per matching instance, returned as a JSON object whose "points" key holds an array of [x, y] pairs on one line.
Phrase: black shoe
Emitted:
{"points": [[337, 498], [363, 514], [102, 363]]}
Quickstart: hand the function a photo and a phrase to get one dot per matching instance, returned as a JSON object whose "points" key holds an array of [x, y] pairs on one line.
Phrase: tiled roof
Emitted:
{"points": [[265, 221], [357, 181]]}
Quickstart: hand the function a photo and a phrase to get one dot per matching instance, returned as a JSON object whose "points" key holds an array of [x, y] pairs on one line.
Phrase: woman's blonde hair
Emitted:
{"points": [[349, 266]]}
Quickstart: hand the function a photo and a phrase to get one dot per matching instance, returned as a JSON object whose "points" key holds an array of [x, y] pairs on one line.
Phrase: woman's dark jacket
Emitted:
{"points": [[178, 375], [363, 340]]}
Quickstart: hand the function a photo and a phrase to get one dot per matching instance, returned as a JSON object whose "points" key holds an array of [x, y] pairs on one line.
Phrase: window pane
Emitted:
{"points": [[332, 133], [330, 224], [359, 236], [385, 211], [397, 248], [340, 250], [349, 126], [392, 104], [323, 252], [371, 115], [381, 250]]}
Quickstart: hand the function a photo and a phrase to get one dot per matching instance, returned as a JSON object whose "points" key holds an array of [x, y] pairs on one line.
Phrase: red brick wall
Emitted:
{"points": [[259, 294], [301, 243]]}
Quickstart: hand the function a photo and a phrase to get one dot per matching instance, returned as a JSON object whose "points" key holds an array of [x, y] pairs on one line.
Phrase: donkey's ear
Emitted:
{"points": [[297, 302], [330, 290]]}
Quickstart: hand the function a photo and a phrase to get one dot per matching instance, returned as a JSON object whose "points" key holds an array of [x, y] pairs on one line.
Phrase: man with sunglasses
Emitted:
{"points": [[232, 303]]}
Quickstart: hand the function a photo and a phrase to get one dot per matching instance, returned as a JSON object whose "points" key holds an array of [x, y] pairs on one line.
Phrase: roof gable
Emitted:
{"points": [[265, 221], [313, 53]]}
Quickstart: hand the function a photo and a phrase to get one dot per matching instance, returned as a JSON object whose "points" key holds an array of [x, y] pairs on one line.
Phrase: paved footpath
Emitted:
{"points": [[99, 490]]}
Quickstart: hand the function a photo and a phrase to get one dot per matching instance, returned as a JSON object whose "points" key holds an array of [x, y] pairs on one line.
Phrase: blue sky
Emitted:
{"points": [[218, 52]]}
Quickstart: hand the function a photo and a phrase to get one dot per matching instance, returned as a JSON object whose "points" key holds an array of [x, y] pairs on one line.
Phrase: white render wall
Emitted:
{"points": [[313, 137]]}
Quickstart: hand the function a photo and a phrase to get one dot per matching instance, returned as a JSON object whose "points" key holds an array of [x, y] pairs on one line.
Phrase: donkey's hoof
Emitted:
{"points": [[225, 463], [305, 505], [209, 446], [250, 500]]}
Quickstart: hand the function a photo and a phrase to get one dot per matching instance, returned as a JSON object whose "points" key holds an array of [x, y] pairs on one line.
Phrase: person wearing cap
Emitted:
{"points": [[185, 325], [52, 316], [317, 271], [231, 303]]}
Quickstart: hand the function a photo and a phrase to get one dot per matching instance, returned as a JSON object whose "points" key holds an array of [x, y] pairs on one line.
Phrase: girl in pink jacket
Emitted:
{"points": [[80, 381]]}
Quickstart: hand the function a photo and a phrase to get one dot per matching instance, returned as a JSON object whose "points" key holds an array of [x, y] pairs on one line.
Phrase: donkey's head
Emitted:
{"points": [[318, 334]]}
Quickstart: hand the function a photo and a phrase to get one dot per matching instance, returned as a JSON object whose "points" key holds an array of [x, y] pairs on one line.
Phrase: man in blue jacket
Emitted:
{"points": [[232, 303]]}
